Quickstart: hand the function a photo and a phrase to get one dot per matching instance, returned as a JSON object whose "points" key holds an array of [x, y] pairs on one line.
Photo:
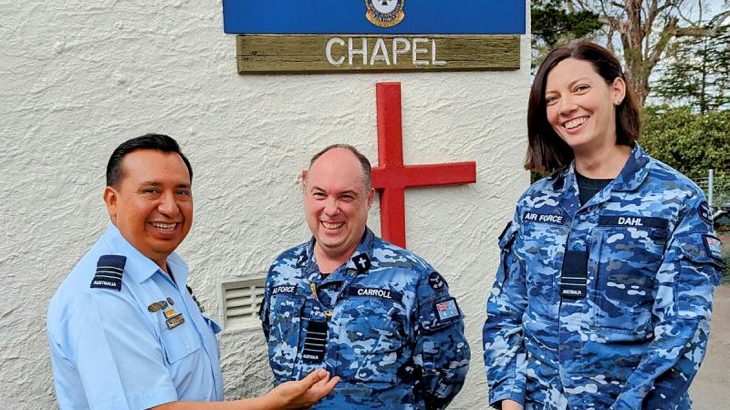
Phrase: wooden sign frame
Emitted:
{"points": [[276, 53]]}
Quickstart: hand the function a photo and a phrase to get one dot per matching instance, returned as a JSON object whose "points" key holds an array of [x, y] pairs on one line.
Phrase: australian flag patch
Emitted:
{"points": [[109, 271], [447, 310]]}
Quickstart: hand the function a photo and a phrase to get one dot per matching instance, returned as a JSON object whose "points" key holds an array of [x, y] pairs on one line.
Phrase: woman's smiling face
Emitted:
{"points": [[580, 105]]}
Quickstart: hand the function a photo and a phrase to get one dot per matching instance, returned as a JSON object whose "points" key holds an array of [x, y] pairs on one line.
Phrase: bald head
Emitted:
{"points": [[364, 163], [337, 198]]}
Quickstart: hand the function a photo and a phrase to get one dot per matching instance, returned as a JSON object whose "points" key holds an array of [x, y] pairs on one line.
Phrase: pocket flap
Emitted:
{"points": [[179, 342]]}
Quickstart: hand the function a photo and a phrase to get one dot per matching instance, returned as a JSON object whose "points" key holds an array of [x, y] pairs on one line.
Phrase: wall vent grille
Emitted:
{"points": [[241, 302]]}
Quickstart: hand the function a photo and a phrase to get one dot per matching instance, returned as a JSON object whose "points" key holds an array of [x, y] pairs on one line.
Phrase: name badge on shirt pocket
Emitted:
{"points": [[375, 292], [630, 221]]}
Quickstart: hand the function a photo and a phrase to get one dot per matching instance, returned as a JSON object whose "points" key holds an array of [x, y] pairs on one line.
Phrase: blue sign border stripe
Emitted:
{"points": [[348, 17]]}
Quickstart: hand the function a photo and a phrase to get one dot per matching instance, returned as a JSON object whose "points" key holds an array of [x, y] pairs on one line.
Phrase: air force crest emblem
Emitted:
{"points": [[385, 13]]}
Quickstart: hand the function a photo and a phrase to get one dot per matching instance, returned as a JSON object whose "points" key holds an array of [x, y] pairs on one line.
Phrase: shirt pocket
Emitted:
{"points": [[284, 334], [179, 342], [542, 248], [375, 335], [628, 260], [700, 271]]}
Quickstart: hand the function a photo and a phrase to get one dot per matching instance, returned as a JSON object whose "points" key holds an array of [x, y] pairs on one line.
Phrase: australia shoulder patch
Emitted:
{"points": [[447, 309], [109, 271], [713, 246]]}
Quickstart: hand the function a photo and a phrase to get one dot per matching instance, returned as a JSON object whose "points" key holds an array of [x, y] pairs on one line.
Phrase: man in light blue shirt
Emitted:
{"points": [[124, 330]]}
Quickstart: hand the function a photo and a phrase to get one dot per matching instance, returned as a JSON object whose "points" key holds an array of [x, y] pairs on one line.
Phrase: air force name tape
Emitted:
{"points": [[109, 271], [284, 289], [556, 219]]}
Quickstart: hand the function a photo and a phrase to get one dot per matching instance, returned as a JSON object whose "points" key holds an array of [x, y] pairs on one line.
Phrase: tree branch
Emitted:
{"points": [[703, 32]]}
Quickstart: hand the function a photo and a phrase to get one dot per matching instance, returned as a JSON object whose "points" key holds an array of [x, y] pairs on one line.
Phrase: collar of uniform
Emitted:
{"points": [[138, 266], [307, 261], [365, 247], [564, 183], [634, 172]]}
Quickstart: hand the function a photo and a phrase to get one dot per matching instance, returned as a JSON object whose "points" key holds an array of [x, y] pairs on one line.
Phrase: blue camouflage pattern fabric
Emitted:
{"points": [[605, 305], [395, 336]]}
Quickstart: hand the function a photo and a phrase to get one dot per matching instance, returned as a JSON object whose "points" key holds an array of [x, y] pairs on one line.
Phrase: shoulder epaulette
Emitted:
{"points": [[109, 271]]}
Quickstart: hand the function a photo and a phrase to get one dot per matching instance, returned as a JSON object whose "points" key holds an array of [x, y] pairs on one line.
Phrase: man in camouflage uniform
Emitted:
{"points": [[374, 314], [605, 305]]}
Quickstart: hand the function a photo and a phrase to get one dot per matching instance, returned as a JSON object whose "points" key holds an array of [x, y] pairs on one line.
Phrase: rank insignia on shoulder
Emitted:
{"points": [[362, 262], [436, 281], [109, 271], [175, 321], [447, 309]]}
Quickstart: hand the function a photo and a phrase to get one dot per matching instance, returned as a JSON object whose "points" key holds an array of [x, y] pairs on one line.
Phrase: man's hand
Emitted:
{"points": [[511, 405], [302, 393]]}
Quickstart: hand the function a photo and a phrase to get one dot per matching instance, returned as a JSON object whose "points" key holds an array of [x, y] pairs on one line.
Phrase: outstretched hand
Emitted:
{"points": [[305, 392]]}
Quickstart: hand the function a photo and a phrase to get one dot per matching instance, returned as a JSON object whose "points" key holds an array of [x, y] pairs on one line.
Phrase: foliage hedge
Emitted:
{"points": [[692, 143], [689, 142]]}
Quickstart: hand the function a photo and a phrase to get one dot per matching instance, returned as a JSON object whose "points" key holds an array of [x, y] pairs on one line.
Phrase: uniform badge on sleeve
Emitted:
{"points": [[714, 246], [436, 281], [447, 309], [109, 271], [704, 211]]}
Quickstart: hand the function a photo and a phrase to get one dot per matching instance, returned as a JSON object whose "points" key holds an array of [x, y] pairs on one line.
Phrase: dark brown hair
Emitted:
{"points": [[546, 151]]}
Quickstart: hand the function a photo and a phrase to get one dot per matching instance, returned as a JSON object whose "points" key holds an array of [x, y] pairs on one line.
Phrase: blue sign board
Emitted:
{"points": [[374, 16]]}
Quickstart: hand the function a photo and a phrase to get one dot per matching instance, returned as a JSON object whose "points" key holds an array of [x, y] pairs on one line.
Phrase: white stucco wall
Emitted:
{"points": [[79, 77]]}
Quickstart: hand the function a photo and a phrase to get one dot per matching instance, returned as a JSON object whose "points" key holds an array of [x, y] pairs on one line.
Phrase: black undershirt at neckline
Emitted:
{"points": [[589, 187]]}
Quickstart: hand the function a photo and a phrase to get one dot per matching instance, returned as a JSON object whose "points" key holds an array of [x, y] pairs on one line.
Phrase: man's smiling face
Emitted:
{"points": [[337, 202], [152, 206]]}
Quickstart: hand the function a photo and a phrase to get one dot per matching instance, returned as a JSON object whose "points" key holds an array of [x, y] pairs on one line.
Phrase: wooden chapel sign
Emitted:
{"points": [[294, 36]]}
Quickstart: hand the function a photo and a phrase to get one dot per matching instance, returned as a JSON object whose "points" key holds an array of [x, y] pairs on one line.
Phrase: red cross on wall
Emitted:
{"points": [[391, 177]]}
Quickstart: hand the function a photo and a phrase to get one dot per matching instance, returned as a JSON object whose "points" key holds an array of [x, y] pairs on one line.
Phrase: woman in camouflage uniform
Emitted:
{"points": [[604, 290]]}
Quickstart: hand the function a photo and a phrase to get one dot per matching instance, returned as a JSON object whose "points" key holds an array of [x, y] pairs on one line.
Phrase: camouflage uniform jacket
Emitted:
{"points": [[394, 335], [605, 305]]}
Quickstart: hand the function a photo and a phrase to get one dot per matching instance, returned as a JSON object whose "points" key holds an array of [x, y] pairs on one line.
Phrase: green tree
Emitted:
{"points": [[698, 73], [645, 28], [553, 24]]}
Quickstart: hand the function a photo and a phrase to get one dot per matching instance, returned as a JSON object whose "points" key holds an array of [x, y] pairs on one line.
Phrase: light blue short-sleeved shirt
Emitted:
{"points": [[116, 349]]}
